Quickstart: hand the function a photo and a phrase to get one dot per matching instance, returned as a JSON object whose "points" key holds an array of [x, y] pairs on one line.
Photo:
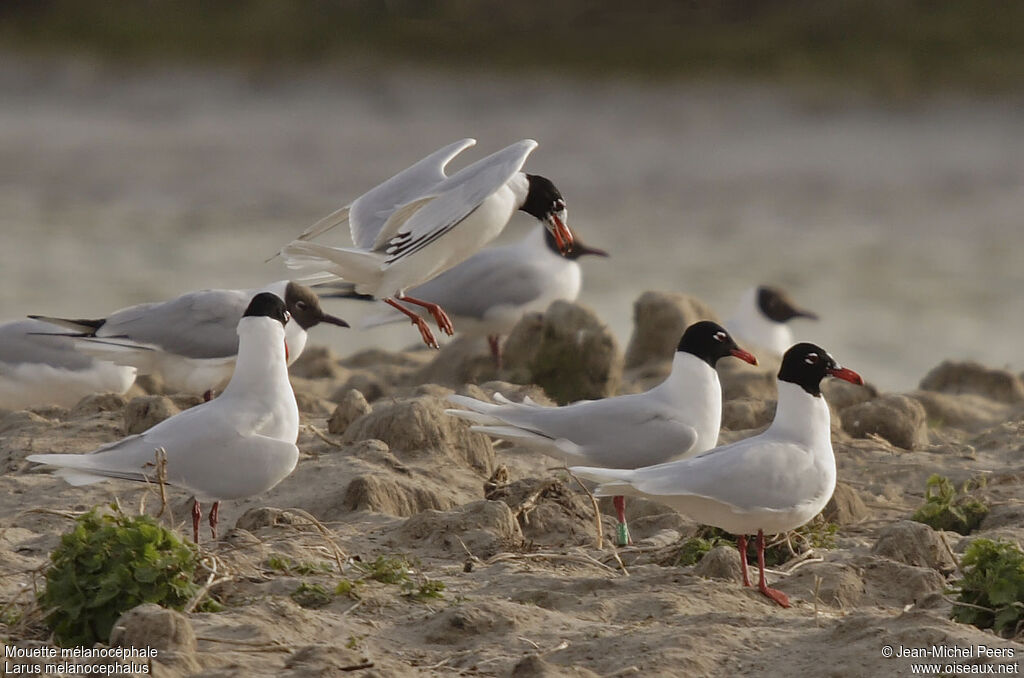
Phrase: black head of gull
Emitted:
{"points": [[709, 341], [545, 202], [267, 304], [778, 307], [806, 364]]}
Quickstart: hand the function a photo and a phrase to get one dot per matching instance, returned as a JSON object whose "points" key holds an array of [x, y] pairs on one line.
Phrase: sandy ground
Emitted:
{"points": [[527, 591]]}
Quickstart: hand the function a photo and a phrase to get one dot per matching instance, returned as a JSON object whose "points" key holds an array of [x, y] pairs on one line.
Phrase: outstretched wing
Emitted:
{"points": [[408, 231], [369, 212]]}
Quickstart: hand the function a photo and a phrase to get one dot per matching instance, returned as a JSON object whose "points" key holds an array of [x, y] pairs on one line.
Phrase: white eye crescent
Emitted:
{"points": [[720, 336], [287, 316], [811, 358]]}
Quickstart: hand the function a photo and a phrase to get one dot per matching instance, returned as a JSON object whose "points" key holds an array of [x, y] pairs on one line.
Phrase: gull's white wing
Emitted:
{"points": [[369, 212], [750, 474], [409, 231]]}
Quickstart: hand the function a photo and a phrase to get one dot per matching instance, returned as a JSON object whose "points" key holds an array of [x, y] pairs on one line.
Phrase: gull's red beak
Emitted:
{"points": [[847, 375], [743, 355], [563, 236]]}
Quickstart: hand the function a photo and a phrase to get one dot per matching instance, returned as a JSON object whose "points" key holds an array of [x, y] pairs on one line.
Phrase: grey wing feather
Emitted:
{"points": [[488, 279], [32, 341], [750, 473], [200, 324]]}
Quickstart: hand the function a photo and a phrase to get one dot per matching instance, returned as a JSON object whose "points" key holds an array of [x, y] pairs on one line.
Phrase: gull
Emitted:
{"points": [[237, 445], [190, 341], [760, 319], [491, 291], [773, 482], [421, 222], [678, 418], [48, 370]]}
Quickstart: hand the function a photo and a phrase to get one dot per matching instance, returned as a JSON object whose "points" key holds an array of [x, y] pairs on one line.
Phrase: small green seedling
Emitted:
{"points": [[312, 596], [992, 587], [107, 564], [946, 509], [286, 565]]}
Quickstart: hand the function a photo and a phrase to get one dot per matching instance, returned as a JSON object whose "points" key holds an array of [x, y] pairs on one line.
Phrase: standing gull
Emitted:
{"points": [[773, 482], [490, 292], [190, 341], [678, 418], [236, 446], [421, 222]]}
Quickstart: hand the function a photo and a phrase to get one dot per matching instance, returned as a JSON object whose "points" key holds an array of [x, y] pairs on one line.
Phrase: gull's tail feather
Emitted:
{"points": [[85, 327], [613, 482], [81, 469], [335, 218], [358, 266]]}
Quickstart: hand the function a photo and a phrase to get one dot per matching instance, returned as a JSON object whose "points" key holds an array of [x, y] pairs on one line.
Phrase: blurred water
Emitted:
{"points": [[900, 224]]}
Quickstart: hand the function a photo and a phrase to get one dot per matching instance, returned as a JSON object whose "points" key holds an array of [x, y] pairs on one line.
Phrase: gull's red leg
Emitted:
{"points": [[214, 515], [778, 596], [444, 323], [741, 544], [197, 515], [620, 511], [494, 341], [421, 325]]}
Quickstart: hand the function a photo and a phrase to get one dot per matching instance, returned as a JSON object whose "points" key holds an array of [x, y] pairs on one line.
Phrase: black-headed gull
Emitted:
{"points": [[421, 222], [773, 482], [676, 419], [47, 370], [191, 341], [490, 292], [237, 445], [760, 319]]}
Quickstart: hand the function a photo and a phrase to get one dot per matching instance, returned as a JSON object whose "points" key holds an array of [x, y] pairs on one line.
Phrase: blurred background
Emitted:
{"points": [[866, 156]]}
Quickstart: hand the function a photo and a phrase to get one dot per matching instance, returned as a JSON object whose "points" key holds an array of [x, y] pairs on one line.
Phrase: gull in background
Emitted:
{"points": [[421, 222], [678, 418], [491, 291], [773, 482], [47, 370], [760, 319], [190, 341], [238, 445]]}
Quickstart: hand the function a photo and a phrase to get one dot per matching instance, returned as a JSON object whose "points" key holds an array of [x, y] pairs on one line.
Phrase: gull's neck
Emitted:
{"points": [[802, 418], [260, 364], [693, 388], [520, 187], [749, 325]]}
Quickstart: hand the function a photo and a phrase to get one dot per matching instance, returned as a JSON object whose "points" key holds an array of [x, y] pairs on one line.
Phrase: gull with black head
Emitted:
{"points": [[422, 222], [676, 419], [770, 483], [237, 445]]}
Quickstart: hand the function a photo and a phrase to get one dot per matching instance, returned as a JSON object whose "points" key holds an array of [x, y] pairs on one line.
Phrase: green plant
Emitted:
{"points": [[286, 565], [946, 509], [387, 569], [694, 548], [348, 587], [107, 564], [992, 586], [312, 595], [427, 589]]}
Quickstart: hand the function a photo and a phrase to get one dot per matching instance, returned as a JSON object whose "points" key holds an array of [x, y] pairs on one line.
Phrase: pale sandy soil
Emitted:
{"points": [[527, 592]]}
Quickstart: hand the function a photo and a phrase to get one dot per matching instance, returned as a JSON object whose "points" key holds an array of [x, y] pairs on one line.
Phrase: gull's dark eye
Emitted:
{"points": [[720, 336], [811, 359], [288, 316], [301, 305], [558, 206]]}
